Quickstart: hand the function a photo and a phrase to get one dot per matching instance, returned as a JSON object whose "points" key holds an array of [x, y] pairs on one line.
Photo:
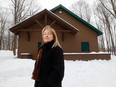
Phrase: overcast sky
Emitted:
{"points": [[49, 4]]}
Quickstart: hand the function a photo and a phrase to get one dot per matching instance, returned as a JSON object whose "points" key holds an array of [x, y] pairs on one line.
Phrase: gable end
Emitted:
{"points": [[77, 18]]}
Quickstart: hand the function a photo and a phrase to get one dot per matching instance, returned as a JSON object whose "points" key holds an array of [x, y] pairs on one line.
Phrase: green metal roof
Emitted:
{"points": [[76, 17]]}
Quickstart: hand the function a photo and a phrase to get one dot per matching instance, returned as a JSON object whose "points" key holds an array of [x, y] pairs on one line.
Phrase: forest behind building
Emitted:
{"points": [[101, 14]]}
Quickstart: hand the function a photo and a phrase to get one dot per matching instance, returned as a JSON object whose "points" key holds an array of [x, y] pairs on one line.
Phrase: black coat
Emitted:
{"points": [[51, 67]]}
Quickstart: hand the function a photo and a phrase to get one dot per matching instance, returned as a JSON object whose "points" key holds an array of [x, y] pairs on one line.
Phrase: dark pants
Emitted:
{"points": [[41, 83], [36, 83]]}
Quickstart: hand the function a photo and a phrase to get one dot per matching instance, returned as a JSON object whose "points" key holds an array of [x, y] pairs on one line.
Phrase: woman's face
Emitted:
{"points": [[47, 36]]}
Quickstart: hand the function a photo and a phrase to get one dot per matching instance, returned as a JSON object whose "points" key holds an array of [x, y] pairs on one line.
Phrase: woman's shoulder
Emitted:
{"points": [[57, 48]]}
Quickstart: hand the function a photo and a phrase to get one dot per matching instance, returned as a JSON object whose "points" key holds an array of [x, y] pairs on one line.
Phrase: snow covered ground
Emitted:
{"points": [[15, 72]]}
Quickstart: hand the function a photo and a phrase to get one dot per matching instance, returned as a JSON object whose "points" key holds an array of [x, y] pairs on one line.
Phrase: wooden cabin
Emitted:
{"points": [[77, 37]]}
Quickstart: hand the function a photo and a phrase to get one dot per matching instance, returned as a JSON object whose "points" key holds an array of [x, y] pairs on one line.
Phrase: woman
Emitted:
{"points": [[49, 66]]}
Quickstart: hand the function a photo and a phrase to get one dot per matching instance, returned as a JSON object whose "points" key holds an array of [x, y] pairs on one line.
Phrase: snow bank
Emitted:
{"points": [[16, 72], [5, 53]]}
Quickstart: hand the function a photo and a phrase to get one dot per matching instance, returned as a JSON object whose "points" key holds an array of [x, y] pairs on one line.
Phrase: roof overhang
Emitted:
{"points": [[37, 18]]}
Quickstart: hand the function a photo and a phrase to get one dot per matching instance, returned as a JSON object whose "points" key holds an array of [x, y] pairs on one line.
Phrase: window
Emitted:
{"points": [[85, 47]]}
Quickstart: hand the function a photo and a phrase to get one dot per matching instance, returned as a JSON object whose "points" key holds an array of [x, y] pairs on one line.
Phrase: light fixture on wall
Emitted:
{"points": [[60, 12]]}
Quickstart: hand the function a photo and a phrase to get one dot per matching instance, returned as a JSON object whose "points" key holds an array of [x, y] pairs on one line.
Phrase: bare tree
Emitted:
{"points": [[22, 9], [101, 40], [110, 6], [106, 14], [82, 9], [3, 25]]}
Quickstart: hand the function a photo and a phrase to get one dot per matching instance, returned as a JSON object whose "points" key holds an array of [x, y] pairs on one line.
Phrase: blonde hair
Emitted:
{"points": [[55, 37]]}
